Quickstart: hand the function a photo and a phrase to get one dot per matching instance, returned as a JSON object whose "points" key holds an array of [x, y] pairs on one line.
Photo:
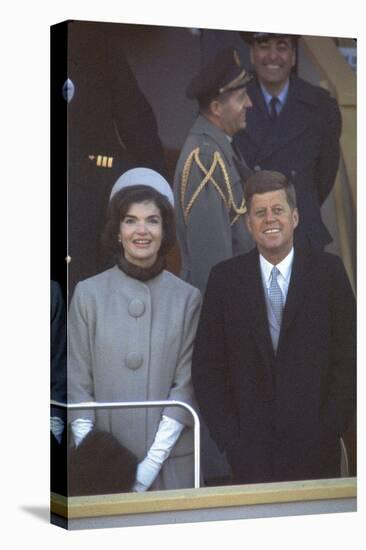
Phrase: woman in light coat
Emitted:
{"points": [[131, 331]]}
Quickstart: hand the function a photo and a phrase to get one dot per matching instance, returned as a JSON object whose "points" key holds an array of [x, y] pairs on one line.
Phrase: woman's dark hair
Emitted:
{"points": [[265, 181], [120, 205]]}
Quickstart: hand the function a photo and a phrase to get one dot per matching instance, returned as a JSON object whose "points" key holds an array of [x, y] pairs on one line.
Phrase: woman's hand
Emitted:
{"points": [[147, 472], [166, 437]]}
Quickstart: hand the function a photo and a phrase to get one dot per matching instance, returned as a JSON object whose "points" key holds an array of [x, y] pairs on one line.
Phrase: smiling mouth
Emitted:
{"points": [[141, 242], [271, 231]]}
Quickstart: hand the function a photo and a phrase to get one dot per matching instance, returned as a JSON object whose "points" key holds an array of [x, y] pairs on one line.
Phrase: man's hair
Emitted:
{"points": [[204, 103], [265, 181], [120, 205]]}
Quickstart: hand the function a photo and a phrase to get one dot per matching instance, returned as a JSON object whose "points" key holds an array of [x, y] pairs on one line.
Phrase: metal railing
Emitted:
{"points": [[142, 404]]}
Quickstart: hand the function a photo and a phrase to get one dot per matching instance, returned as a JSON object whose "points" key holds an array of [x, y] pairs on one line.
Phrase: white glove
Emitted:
{"points": [[80, 428], [57, 427], [166, 437]]}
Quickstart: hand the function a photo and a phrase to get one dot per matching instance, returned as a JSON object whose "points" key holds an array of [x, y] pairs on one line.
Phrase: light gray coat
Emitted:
{"points": [[211, 231], [132, 341]]}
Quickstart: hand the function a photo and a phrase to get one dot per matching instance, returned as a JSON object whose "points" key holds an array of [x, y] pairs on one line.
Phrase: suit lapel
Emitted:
{"points": [[256, 303], [258, 124], [262, 370], [296, 291]]}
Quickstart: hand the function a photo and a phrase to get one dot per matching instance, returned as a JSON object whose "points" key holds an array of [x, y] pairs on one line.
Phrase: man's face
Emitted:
{"points": [[272, 222], [232, 111], [273, 60]]}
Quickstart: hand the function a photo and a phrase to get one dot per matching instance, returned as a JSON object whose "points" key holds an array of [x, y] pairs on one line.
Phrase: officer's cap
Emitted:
{"points": [[224, 74], [250, 37]]}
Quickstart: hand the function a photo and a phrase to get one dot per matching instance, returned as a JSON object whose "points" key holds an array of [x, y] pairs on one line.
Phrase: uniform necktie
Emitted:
{"points": [[275, 295], [273, 108]]}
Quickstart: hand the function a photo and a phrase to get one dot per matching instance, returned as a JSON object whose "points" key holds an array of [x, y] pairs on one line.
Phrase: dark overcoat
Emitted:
{"points": [[303, 144], [277, 417]]}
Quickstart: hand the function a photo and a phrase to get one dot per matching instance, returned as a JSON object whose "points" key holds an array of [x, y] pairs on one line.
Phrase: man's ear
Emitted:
{"points": [[296, 217], [215, 108]]}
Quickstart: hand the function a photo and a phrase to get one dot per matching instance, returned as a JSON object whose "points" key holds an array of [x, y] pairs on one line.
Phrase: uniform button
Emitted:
{"points": [[136, 308], [256, 168], [134, 360]]}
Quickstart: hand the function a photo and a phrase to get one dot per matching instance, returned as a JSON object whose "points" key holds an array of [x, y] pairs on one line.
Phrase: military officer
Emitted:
{"points": [[209, 176]]}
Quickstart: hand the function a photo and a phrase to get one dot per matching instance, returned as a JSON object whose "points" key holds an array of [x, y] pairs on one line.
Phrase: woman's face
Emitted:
{"points": [[141, 233]]}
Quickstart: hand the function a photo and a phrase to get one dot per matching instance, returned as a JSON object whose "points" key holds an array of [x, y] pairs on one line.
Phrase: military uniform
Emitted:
{"points": [[209, 177], [209, 202]]}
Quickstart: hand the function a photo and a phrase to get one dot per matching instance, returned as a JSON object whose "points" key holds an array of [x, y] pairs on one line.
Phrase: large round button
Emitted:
{"points": [[134, 360], [136, 308]]}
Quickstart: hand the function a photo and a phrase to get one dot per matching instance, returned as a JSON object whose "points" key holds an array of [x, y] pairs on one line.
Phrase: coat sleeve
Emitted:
{"points": [[182, 389], [209, 367], [339, 407], [208, 224], [328, 159], [80, 372]]}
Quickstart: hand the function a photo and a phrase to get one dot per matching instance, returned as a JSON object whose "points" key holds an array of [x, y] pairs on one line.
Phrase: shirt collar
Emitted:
{"points": [[282, 96], [283, 267]]}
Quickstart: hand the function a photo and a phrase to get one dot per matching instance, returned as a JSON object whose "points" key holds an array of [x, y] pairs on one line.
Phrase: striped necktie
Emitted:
{"points": [[275, 295]]}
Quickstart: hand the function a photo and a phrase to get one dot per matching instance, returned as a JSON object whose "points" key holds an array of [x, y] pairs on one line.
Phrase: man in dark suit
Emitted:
{"points": [[298, 135], [274, 357]]}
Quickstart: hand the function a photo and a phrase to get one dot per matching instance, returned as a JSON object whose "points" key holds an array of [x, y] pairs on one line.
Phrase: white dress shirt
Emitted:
{"points": [[283, 278], [282, 96]]}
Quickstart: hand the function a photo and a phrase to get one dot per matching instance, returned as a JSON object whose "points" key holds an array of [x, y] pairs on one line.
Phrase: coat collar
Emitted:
{"points": [[293, 119], [256, 304], [203, 126], [301, 267]]}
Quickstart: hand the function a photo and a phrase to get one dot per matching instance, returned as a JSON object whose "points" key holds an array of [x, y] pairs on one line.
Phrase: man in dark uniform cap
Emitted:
{"points": [[208, 188], [294, 128], [208, 182]]}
